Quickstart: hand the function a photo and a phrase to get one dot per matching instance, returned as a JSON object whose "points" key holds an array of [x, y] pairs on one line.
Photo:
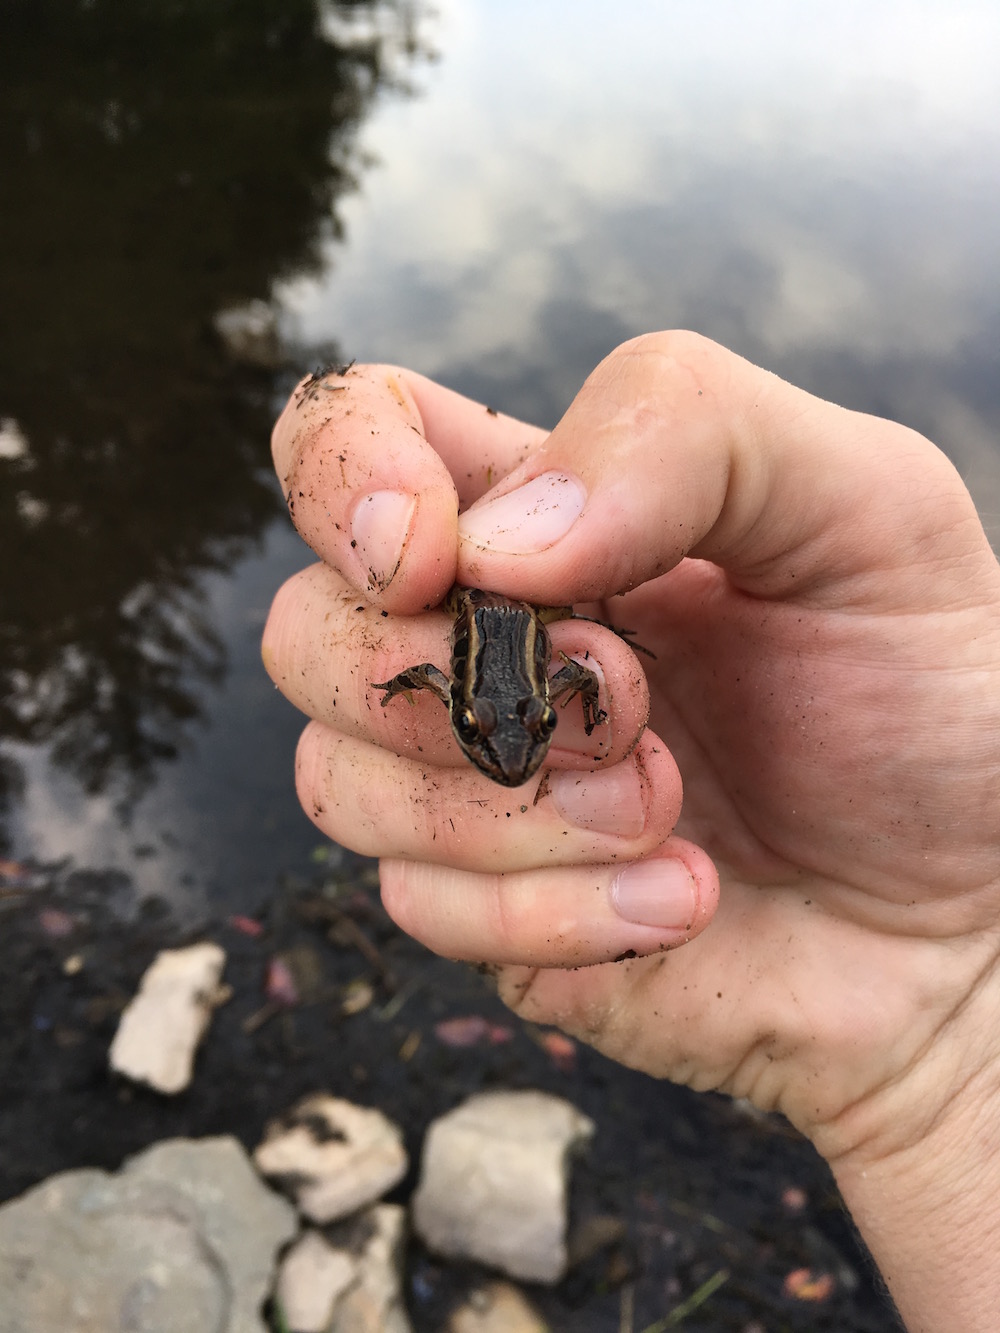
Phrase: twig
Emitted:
{"points": [[697, 1298]]}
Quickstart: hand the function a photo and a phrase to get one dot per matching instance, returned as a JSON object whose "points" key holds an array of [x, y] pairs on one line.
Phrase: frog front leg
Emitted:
{"points": [[576, 679], [423, 677]]}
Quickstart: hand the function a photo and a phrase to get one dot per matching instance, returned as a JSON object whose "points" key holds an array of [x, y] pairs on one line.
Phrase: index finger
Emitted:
{"points": [[375, 462]]}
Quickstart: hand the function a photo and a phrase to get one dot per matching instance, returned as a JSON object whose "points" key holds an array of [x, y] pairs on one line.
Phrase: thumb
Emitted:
{"points": [[677, 447]]}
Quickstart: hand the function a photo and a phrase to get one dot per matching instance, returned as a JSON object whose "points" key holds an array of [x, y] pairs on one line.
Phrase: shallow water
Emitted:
{"points": [[200, 201]]}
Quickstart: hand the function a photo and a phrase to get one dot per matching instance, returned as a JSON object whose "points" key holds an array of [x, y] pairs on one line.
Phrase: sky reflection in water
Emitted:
{"points": [[817, 187]]}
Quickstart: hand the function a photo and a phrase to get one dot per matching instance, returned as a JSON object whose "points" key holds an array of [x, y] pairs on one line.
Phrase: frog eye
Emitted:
{"points": [[539, 718], [466, 725]]}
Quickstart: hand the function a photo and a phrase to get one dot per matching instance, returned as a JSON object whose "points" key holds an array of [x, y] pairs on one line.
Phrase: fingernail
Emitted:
{"points": [[379, 529], [656, 893], [528, 519], [610, 801]]}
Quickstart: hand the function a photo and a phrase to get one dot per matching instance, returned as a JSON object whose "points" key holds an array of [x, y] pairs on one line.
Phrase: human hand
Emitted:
{"points": [[825, 611]]}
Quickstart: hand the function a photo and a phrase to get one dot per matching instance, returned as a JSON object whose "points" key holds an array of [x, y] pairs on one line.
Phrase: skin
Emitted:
{"points": [[815, 926]]}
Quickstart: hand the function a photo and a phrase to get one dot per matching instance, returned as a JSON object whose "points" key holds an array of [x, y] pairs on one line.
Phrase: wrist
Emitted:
{"points": [[925, 1190]]}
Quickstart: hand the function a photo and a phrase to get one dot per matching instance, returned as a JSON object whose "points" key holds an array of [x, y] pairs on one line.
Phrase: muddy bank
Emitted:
{"points": [[327, 994]]}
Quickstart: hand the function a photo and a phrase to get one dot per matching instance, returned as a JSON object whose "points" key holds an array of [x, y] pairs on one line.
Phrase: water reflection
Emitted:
{"points": [[163, 165], [817, 189]]}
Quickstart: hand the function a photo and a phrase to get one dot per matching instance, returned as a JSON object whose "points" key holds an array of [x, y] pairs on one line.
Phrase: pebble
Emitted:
{"points": [[332, 1156], [161, 1027], [349, 1277], [312, 1278], [499, 1307], [493, 1184]]}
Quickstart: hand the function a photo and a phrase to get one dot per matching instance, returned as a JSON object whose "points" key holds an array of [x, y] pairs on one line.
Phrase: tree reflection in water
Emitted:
{"points": [[164, 163]]}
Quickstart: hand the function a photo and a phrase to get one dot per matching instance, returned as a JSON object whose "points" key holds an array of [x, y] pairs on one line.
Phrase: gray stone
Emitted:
{"points": [[332, 1156], [161, 1027], [182, 1240], [349, 1278], [493, 1184]]}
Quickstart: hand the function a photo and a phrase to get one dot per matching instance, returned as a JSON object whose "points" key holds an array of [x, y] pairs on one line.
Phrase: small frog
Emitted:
{"points": [[499, 695]]}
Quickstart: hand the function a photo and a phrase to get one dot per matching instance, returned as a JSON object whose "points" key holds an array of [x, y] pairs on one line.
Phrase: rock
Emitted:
{"points": [[312, 1278], [182, 1239], [493, 1182], [497, 1308], [375, 1304], [348, 1280], [331, 1156], [162, 1026]]}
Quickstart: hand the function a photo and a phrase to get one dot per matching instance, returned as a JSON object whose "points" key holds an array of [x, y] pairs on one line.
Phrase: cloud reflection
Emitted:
{"points": [[783, 179]]}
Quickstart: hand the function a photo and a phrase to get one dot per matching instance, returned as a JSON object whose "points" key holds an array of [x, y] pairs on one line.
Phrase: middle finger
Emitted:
{"points": [[379, 804]]}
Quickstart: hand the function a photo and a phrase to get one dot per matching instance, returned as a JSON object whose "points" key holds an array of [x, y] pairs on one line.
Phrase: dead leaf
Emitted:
{"points": [[246, 925], [472, 1030], [803, 1284], [358, 995], [560, 1049]]}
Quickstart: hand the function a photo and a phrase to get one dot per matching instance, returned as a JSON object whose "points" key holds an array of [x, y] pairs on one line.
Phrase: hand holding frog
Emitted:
{"points": [[825, 611]]}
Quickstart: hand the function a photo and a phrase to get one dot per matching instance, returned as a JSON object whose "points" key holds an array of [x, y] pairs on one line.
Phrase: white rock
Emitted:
{"points": [[312, 1278], [350, 1281], [493, 1182], [375, 1303], [497, 1308], [332, 1156], [162, 1026]]}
